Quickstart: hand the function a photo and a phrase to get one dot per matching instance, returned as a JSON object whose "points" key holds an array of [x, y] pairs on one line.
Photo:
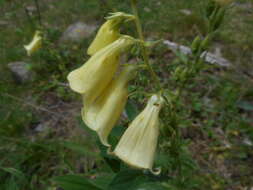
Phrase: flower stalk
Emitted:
{"points": [[143, 48], [38, 12]]}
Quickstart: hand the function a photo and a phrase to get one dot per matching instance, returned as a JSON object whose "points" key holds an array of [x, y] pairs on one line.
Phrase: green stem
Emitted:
{"points": [[38, 12], [143, 48], [30, 20]]}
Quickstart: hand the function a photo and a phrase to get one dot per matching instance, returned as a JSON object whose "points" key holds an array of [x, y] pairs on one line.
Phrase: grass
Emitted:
{"points": [[219, 103]]}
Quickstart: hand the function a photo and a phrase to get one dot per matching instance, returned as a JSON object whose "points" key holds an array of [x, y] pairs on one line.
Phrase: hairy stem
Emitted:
{"points": [[38, 11], [143, 48]]}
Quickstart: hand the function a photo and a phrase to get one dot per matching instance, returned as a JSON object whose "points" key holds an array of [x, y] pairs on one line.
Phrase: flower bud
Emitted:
{"points": [[196, 45], [95, 75], [205, 43], [35, 44], [219, 17], [138, 144], [102, 115]]}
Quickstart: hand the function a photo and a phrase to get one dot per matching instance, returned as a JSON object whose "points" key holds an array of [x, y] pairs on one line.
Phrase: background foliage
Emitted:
{"points": [[44, 144]]}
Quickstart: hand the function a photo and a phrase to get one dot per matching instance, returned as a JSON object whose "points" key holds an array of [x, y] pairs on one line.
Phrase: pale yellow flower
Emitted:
{"points": [[108, 32], [35, 44], [102, 115], [138, 144], [93, 77]]}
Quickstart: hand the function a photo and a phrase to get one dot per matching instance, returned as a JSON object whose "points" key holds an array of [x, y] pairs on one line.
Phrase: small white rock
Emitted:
{"points": [[148, 10], [77, 32], [186, 11], [40, 128], [248, 142]]}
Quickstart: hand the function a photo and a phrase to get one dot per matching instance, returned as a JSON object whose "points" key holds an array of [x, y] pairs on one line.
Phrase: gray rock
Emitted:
{"points": [[146, 9], [77, 32], [248, 142], [3, 23], [40, 128], [21, 71], [31, 10], [186, 12], [209, 57], [245, 6]]}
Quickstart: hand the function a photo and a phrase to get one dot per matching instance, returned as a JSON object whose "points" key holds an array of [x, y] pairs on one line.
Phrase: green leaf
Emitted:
{"points": [[112, 162], [247, 106], [128, 180], [115, 135], [14, 172], [104, 180], [74, 182], [151, 186], [131, 110], [80, 149], [182, 57]]}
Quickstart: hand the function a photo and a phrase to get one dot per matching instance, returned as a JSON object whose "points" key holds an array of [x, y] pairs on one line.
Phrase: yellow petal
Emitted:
{"points": [[92, 78], [107, 34], [102, 115], [35, 44], [138, 144]]}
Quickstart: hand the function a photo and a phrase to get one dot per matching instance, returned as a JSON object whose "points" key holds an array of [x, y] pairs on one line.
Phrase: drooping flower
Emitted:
{"points": [[138, 144], [102, 115], [35, 44], [108, 32], [95, 75]]}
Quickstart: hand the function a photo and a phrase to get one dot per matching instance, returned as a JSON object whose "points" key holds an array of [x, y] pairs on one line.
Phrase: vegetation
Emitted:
{"points": [[207, 135]]}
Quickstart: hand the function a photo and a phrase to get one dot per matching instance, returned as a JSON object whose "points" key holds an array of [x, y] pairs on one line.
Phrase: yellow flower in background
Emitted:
{"points": [[108, 32], [102, 115], [96, 74], [35, 44], [138, 144]]}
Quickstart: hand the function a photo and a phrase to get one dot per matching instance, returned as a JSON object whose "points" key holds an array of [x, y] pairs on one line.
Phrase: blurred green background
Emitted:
{"points": [[41, 133]]}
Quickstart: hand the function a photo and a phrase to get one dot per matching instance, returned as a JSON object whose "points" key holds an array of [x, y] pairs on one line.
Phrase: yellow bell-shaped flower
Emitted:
{"points": [[138, 144], [108, 32], [95, 75], [35, 44], [102, 115]]}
